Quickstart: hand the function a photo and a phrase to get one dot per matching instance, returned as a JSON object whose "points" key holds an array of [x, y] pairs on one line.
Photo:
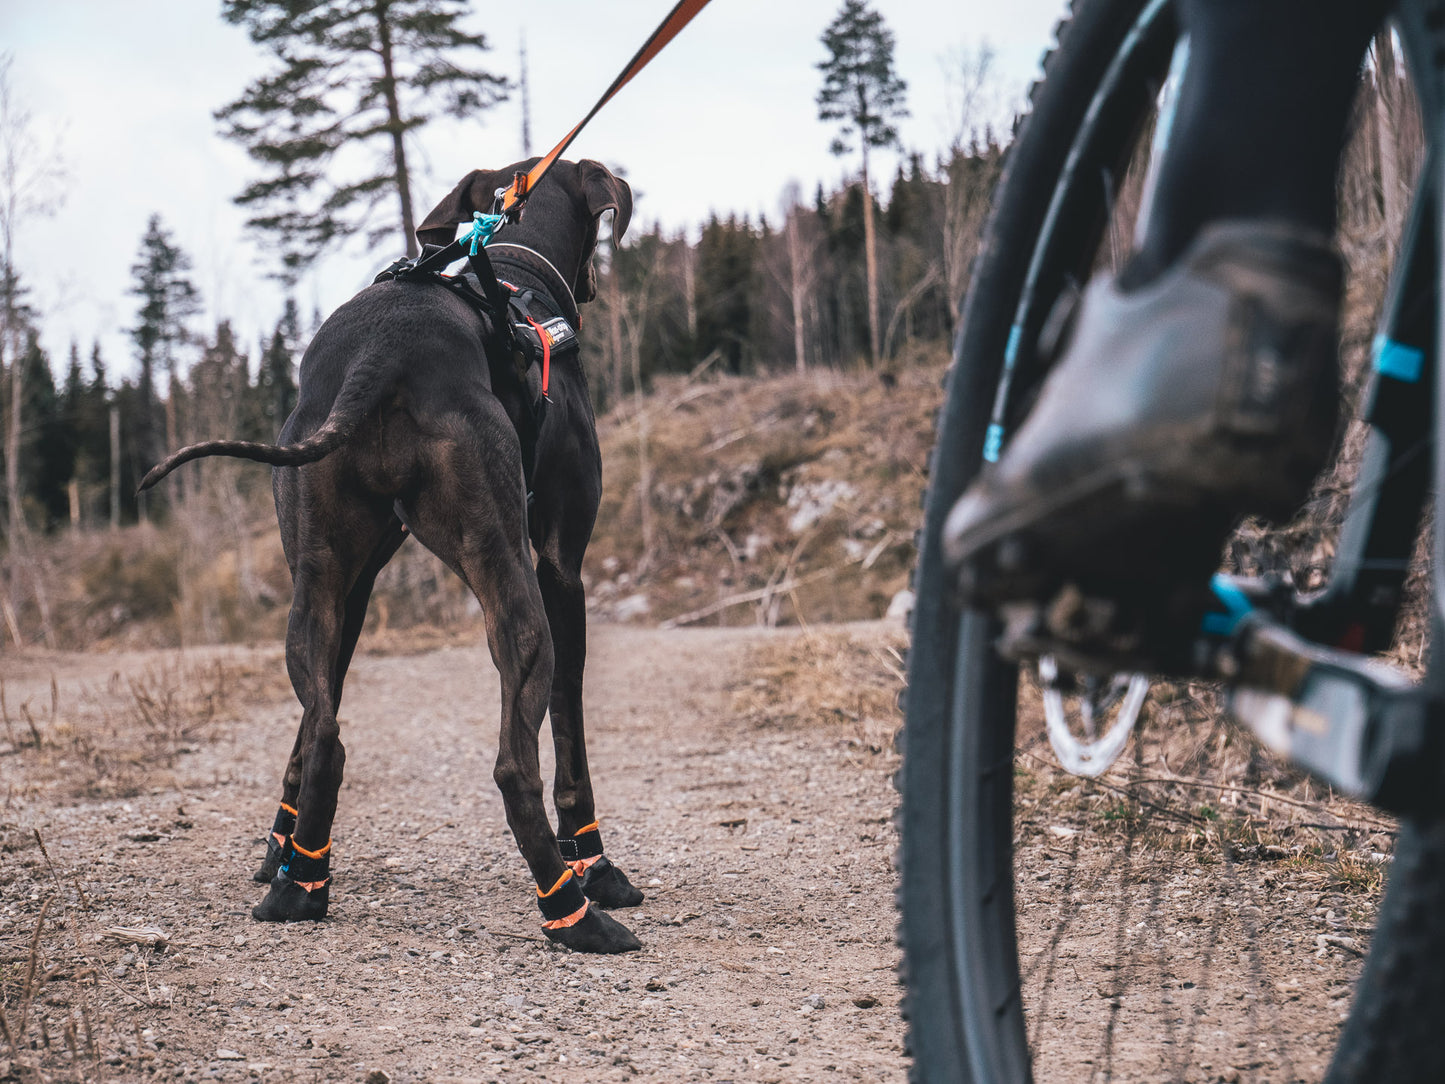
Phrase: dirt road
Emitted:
{"points": [[764, 848], [1198, 915]]}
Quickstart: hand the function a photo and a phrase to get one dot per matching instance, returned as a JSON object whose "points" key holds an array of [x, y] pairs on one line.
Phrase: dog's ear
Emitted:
{"points": [[606, 192], [475, 193]]}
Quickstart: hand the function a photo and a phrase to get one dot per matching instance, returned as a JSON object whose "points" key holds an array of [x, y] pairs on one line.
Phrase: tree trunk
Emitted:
{"points": [[870, 251], [12, 434], [394, 125], [173, 440], [614, 326], [798, 291], [636, 328], [114, 468], [689, 288]]}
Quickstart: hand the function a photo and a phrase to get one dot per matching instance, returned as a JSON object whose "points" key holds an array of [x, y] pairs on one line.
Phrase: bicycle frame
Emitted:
{"points": [[1330, 709]]}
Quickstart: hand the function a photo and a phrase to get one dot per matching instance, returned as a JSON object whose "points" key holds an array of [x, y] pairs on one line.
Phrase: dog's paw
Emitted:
{"points": [[596, 931], [270, 865], [287, 901], [607, 886]]}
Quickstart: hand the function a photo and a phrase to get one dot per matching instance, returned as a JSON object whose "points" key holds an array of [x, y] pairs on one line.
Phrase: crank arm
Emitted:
{"points": [[1357, 725]]}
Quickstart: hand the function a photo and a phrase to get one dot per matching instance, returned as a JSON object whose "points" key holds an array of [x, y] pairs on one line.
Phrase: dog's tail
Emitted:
{"points": [[361, 392]]}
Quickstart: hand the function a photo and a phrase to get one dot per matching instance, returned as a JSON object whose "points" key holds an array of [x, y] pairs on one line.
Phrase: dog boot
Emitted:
{"points": [[571, 920], [301, 889], [602, 882], [281, 830], [1178, 406]]}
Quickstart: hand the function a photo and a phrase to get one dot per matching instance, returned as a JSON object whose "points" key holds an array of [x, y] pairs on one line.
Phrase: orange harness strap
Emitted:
{"points": [[546, 352]]}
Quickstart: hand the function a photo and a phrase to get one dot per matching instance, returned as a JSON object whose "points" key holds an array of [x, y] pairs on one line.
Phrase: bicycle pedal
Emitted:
{"points": [[1088, 634]]}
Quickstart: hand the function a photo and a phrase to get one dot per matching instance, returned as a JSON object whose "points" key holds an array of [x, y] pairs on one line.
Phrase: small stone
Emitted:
{"points": [[228, 1055], [867, 1001], [378, 1076], [814, 1001]]}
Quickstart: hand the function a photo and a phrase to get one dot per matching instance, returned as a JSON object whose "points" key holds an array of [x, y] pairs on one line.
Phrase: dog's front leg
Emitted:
{"points": [[579, 835]]}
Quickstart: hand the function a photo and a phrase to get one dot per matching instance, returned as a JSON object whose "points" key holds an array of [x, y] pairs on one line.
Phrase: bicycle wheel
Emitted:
{"points": [[1055, 218]]}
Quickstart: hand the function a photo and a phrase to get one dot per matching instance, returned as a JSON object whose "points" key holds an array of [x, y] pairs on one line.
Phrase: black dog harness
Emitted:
{"points": [[508, 330]]}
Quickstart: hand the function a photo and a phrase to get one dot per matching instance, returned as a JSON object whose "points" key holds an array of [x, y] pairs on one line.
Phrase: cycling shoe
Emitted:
{"points": [[1178, 406]]}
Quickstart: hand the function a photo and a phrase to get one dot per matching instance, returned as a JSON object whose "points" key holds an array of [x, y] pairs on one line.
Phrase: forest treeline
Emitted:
{"points": [[747, 297]]}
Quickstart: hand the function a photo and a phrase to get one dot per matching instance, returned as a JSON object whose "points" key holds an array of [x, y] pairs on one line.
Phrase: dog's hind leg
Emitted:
{"points": [[471, 515], [356, 603], [344, 544]]}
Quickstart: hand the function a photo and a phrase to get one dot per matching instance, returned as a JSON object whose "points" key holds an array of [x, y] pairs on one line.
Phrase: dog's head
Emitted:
{"points": [[559, 221]]}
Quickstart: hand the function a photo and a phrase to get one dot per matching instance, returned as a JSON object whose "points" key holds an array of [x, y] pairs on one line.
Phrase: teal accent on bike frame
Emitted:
{"points": [[993, 442], [1237, 607], [993, 439], [1397, 360]]}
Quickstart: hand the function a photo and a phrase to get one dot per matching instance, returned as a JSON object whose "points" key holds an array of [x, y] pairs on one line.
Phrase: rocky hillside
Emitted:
{"points": [[778, 501]]}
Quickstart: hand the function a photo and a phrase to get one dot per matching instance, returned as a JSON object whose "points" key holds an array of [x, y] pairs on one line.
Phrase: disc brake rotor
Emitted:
{"points": [[1081, 749]]}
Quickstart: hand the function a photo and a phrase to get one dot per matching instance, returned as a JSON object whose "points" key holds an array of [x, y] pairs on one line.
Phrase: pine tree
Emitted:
{"points": [[46, 460], [862, 91], [168, 299], [349, 73], [276, 378], [92, 423], [726, 280]]}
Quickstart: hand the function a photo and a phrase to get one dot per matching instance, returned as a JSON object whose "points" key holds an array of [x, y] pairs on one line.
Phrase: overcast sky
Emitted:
{"points": [[720, 122]]}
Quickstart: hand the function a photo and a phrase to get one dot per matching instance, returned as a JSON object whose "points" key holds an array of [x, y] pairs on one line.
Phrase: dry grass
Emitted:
{"points": [[840, 678], [49, 981], [124, 738], [1191, 783]]}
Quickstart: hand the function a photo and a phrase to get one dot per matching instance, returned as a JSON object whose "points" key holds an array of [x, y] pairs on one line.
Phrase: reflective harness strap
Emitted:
{"points": [[574, 317]]}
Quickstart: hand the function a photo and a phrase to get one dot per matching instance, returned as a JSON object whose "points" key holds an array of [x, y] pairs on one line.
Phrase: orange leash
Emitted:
{"points": [[679, 17]]}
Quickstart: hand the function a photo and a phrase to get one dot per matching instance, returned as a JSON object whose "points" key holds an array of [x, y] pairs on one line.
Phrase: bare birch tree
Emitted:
{"points": [[30, 186]]}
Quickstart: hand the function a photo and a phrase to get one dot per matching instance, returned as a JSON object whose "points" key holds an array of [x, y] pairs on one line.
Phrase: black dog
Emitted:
{"points": [[404, 424]]}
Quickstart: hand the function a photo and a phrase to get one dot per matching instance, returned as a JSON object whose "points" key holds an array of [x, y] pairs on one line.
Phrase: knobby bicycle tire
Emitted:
{"points": [[963, 1000]]}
